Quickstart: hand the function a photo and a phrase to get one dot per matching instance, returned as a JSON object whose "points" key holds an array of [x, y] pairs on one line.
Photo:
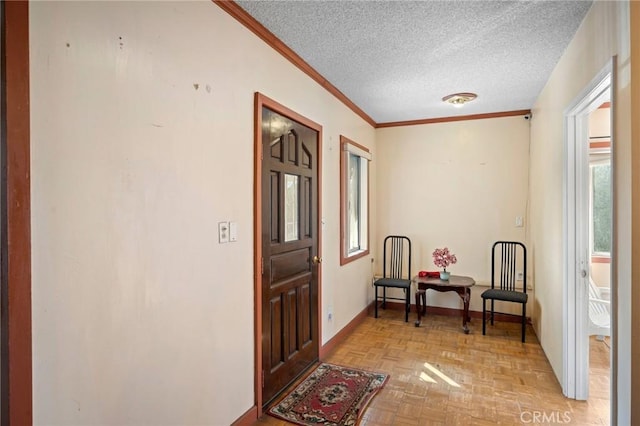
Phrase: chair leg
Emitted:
{"points": [[484, 316], [384, 297], [375, 304], [492, 311], [524, 320], [406, 305]]}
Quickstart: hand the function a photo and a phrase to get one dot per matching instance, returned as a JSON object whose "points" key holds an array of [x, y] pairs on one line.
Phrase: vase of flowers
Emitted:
{"points": [[443, 258]]}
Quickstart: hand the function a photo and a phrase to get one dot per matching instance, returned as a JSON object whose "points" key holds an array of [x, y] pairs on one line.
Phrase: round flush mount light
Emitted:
{"points": [[459, 99]]}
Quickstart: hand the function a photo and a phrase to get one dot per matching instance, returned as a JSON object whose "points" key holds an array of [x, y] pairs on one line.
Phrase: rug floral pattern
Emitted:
{"points": [[330, 395]]}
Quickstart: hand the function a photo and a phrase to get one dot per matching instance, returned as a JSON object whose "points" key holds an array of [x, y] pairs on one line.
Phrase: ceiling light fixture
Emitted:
{"points": [[459, 99]]}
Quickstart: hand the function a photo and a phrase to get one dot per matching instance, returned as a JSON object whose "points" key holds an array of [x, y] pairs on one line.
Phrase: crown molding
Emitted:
{"points": [[233, 9], [455, 118], [244, 18]]}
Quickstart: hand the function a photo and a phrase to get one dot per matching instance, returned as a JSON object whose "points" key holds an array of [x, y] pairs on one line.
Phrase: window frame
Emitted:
{"points": [[347, 147], [599, 154]]}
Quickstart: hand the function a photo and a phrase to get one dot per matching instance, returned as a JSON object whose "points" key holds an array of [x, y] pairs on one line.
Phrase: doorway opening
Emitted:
{"points": [[588, 240]]}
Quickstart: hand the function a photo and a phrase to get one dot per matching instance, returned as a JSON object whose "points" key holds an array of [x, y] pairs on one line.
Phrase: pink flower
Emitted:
{"points": [[444, 258]]}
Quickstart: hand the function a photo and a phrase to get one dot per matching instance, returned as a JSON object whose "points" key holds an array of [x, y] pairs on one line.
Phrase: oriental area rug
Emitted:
{"points": [[330, 395]]}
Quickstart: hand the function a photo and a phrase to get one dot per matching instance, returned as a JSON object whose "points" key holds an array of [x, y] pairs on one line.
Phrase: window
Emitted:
{"points": [[291, 209], [600, 202], [354, 200]]}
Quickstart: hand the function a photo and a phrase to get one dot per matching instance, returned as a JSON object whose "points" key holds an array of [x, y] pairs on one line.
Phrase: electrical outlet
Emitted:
{"points": [[519, 276]]}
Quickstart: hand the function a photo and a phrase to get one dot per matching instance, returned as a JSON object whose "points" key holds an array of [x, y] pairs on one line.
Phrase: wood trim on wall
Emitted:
{"points": [[635, 218], [456, 118], [260, 101], [599, 144], [247, 419], [257, 250], [15, 292], [233, 9], [344, 333], [249, 22], [453, 312]]}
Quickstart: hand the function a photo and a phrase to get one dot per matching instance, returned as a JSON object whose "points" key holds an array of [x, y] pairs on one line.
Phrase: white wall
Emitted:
{"points": [[139, 315], [456, 184], [600, 123], [604, 33]]}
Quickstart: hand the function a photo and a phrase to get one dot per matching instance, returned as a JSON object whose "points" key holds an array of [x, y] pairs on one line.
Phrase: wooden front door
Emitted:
{"points": [[289, 250]]}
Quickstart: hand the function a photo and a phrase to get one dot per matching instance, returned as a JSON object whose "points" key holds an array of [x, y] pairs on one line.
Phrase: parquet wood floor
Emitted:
{"points": [[440, 376]]}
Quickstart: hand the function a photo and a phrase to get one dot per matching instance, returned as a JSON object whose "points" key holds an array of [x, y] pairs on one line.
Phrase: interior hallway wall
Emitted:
{"points": [[142, 141], [603, 34], [457, 184]]}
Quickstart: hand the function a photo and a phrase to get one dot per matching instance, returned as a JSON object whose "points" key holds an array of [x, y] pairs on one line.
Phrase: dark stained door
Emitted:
{"points": [[289, 248]]}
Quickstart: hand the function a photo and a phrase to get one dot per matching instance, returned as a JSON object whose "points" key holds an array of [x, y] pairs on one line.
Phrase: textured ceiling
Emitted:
{"points": [[397, 59]]}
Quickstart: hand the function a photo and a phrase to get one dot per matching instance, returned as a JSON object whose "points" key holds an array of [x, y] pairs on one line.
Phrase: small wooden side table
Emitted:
{"points": [[459, 284]]}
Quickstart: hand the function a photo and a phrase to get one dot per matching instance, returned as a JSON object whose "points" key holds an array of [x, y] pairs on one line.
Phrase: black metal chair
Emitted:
{"points": [[396, 256], [513, 256]]}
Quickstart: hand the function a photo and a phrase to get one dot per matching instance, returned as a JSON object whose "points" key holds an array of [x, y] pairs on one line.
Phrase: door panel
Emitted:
{"points": [[276, 333], [292, 335], [305, 213], [273, 207], [305, 318], [289, 244], [288, 264]]}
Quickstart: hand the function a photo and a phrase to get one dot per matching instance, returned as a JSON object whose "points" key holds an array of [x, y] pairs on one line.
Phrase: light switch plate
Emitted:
{"points": [[223, 232], [233, 231]]}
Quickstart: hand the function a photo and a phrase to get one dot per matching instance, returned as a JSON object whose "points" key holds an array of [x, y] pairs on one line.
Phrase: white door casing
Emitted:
{"points": [[576, 235]]}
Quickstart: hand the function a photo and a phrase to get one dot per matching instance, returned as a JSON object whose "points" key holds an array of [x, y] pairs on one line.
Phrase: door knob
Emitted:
{"points": [[317, 259]]}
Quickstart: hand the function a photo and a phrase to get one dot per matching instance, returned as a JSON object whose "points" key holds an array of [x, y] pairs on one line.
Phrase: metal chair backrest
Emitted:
{"points": [[396, 251], [511, 259]]}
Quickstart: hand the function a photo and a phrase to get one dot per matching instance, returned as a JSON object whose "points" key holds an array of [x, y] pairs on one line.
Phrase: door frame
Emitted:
{"points": [[264, 101], [15, 219], [576, 244]]}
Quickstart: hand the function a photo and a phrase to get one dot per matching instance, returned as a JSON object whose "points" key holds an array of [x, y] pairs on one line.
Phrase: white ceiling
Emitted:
{"points": [[396, 60]]}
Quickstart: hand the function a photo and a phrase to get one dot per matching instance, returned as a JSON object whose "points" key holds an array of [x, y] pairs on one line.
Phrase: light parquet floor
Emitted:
{"points": [[440, 376]]}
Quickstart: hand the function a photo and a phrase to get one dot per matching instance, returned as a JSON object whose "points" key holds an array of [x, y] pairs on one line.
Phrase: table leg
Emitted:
{"points": [[465, 314], [418, 308], [421, 305]]}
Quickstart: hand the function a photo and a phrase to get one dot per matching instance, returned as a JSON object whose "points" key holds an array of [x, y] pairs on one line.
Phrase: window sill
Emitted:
{"points": [[353, 256]]}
